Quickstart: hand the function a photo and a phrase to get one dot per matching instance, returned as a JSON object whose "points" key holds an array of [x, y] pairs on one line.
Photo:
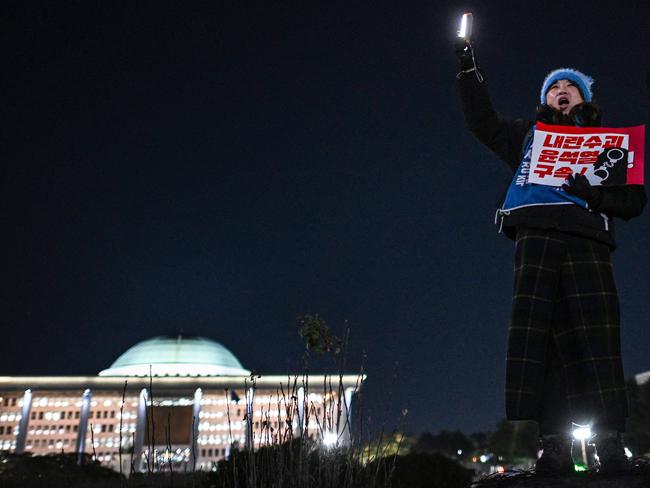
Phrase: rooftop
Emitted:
{"points": [[176, 356]]}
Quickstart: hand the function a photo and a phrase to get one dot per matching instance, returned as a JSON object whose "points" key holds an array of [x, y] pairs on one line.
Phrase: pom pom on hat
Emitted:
{"points": [[583, 81]]}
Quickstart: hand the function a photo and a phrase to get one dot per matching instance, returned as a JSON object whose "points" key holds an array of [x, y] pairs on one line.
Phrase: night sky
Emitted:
{"points": [[221, 169]]}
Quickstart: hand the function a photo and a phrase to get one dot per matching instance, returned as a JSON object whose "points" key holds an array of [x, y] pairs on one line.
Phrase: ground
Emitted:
{"points": [[639, 477]]}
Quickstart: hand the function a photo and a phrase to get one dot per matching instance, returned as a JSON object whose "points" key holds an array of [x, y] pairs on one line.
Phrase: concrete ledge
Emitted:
{"points": [[638, 478]]}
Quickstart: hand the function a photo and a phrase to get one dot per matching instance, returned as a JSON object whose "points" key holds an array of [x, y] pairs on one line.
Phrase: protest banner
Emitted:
{"points": [[607, 156]]}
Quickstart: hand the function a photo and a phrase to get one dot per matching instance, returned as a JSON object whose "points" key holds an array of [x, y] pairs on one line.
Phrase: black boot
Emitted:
{"points": [[611, 454], [556, 457]]}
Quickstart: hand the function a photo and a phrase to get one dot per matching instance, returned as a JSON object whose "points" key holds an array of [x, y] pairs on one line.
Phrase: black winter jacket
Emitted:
{"points": [[505, 137]]}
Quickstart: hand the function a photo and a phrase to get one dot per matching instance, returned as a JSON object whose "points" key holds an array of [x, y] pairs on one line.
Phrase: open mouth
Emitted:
{"points": [[563, 102]]}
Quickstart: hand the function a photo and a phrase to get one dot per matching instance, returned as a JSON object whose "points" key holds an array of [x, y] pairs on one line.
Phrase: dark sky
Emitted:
{"points": [[221, 169]]}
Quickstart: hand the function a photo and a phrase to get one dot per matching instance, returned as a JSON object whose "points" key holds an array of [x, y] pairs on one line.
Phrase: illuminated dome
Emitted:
{"points": [[177, 356]]}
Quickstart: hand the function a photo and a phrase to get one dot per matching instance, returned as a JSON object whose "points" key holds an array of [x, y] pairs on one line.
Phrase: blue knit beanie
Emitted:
{"points": [[583, 81]]}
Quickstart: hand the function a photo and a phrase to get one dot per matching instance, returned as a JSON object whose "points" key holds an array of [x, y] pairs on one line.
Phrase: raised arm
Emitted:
{"points": [[502, 135]]}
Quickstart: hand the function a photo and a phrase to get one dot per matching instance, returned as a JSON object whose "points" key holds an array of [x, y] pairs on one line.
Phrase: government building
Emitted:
{"points": [[183, 402]]}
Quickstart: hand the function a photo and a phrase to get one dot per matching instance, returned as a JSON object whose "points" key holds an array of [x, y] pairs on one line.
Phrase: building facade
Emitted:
{"points": [[179, 403]]}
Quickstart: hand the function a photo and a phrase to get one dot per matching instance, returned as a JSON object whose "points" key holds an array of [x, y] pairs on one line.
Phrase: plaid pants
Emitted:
{"points": [[564, 355]]}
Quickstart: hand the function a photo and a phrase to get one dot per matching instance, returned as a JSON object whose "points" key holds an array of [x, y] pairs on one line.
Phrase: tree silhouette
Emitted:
{"points": [[515, 440], [445, 442]]}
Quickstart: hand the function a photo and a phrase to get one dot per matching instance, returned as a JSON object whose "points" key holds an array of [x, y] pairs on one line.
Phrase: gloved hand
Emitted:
{"points": [[582, 115], [464, 53], [550, 115], [579, 186], [586, 114]]}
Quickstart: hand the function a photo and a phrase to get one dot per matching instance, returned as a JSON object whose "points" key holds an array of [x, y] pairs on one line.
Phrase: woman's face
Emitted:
{"points": [[563, 95]]}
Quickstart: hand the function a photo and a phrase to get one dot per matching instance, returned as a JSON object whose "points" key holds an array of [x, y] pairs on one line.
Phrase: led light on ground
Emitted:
{"points": [[582, 432]]}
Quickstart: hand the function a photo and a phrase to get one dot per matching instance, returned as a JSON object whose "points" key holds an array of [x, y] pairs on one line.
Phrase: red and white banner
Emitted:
{"points": [[607, 156]]}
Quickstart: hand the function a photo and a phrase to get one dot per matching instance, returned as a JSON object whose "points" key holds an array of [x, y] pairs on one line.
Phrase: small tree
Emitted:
{"points": [[318, 336]]}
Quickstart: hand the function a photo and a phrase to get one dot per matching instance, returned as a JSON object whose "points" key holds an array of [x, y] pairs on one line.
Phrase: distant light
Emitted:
{"points": [[628, 453], [459, 452], [483, 458], [330, 439], [579, 468], [583, 432]]}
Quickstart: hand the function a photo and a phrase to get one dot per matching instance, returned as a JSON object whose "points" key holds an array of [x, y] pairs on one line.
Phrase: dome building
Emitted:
{"points": [[176, 356], [185, 400]]}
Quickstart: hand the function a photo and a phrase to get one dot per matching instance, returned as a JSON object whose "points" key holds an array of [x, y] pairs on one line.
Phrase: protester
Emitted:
{"points": [[563, 361]]}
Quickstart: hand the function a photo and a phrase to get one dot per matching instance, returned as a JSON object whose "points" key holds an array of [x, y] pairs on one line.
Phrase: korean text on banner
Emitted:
{"points": [[606, 156]]}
